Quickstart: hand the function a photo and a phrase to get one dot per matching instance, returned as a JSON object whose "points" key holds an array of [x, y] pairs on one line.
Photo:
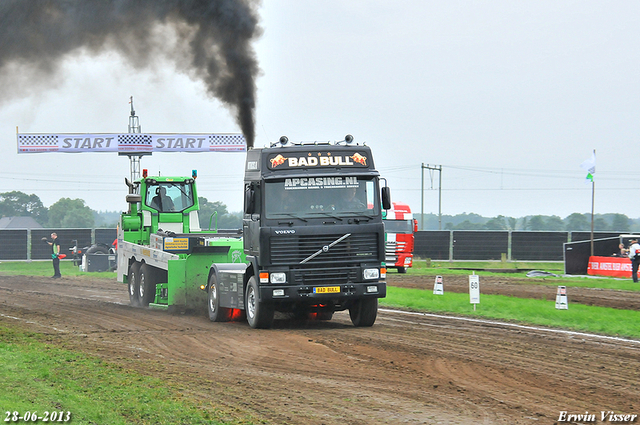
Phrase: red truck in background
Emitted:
{"points": [[399, 227]]}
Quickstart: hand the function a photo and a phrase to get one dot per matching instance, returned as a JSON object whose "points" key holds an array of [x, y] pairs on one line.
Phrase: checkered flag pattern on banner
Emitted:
{"points": [[37, 142], [134, 142], [227, 142]]}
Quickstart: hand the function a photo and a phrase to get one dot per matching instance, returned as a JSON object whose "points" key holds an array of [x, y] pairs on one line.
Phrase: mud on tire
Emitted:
{"points": [[364, 312], [216, 313], [259, 314], [133, 279]]}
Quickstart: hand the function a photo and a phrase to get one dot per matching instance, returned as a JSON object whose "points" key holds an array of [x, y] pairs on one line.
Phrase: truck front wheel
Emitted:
{"points": [[259, 314], [134, 284], [216, 313], [364, 312]]}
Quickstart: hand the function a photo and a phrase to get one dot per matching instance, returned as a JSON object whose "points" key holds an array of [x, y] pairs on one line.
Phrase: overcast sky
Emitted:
{"points": [[508, 97]]}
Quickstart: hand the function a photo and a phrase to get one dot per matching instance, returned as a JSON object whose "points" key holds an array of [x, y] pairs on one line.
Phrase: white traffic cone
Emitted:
{"points": [[437, 287]]}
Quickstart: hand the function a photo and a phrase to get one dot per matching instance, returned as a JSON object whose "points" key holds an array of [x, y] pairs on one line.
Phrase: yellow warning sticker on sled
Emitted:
{"points": [[176, 244]]}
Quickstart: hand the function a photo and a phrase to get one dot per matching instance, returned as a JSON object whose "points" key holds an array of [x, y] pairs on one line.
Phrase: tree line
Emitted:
{"points": [[74, 213], [575, 222]]}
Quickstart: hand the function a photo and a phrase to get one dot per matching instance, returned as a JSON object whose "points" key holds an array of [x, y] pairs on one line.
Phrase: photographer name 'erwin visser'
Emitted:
{"points": [[603, 416]]}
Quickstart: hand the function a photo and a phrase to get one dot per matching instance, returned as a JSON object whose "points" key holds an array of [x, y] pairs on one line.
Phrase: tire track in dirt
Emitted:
{"points": [[405, 369]]}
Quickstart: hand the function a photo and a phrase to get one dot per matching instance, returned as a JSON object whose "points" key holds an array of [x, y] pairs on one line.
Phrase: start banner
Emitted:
{"points": [[131, 142], [609, 266]]}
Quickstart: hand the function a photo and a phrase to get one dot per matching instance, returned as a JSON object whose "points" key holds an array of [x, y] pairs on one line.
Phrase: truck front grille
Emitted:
{"points": [[391, 249], [292, 249], [332, 276]]}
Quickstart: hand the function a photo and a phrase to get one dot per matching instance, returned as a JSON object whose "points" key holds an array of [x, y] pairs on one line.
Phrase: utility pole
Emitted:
{"points": [[437, 168], [593, 202], [134, 157]]}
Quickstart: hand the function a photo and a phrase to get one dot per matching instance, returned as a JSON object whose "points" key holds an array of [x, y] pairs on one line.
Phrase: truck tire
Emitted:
{"points": [[146, 285], [259, 314], [402, 269], [216, 313], [133, 278], [364, 312]]}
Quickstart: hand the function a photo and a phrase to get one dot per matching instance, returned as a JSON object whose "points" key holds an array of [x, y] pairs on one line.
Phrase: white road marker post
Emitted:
{"points": [[561, 298], [474, 290], [438, 288]]}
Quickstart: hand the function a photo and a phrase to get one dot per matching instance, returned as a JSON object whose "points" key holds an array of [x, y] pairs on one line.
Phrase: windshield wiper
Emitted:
{"points": [[327, 214], [289, 215], [180, 188]]}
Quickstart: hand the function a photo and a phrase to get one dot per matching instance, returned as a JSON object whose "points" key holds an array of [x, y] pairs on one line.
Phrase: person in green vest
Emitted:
{"points": [[55, 254]]}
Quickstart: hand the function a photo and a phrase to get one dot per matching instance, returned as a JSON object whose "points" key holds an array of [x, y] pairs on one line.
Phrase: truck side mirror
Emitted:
{"points": [[249, 200], [133, 198], [386, 198], [415, 225]]}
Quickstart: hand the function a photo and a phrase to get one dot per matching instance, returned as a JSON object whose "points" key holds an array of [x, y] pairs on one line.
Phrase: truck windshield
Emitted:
{"points": [[310, 197], [169, 196], [398, 226]]}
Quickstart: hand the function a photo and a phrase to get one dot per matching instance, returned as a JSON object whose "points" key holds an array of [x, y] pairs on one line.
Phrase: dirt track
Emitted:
{"points": [[408, 368]]}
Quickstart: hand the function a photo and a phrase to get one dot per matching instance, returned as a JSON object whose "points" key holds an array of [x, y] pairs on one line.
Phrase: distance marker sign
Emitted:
{"points": [[474, 289]]}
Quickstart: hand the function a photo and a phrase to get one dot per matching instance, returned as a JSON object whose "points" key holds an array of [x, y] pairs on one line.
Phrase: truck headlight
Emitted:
{"points": [[371, 273], [278, 278]]}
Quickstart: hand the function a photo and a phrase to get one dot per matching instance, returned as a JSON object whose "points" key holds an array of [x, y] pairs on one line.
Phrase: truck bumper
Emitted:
{"points": [[320, 293]]}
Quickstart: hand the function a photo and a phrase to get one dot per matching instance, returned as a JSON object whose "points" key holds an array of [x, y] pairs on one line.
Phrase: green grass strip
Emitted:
{"points": [[45, 268], [578, 317], [445, 268], [38, 376]]}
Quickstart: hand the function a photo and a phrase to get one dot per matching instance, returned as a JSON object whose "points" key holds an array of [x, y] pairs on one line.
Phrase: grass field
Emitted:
{"points": [[519, 270], [39, 377], [600, 320], [45, 268]]}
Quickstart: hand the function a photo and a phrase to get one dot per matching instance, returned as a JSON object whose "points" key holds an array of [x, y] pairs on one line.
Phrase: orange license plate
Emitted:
{"points": [[326, 290]]}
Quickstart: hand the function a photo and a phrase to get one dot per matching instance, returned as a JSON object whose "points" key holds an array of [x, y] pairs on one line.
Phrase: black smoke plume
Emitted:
{"points": [[207, 39]]}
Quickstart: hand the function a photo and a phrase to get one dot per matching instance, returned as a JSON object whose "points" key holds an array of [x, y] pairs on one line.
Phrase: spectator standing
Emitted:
{"points": [[634, 256], [55, 254]]}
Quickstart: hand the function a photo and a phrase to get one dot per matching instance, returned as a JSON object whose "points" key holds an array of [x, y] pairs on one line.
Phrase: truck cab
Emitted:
{"points": [[168, 204], [400, 227], [312, 231]]}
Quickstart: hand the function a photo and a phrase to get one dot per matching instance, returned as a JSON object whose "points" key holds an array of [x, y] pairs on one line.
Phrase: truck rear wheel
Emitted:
{"points": [[133, 279], [216, 313], [364, 312], [146, 285], [259, 314]]}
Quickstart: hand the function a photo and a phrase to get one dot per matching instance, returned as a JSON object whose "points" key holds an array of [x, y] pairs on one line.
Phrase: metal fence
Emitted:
{"points": [[27, 244], [443, 245], [483, 245]]}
